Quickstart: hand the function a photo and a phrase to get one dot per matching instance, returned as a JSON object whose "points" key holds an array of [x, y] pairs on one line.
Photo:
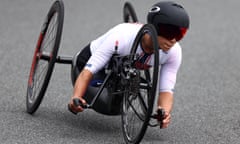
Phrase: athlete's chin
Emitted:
{"points": [[165, 50]]}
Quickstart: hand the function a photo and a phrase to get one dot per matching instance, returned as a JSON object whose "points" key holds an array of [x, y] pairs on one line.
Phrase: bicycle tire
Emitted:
{"points": [[129, 14], [45, 56], [137, 108]]}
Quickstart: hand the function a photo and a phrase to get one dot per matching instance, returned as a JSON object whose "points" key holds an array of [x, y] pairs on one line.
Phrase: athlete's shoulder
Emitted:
{"points": [[128, 26], [176, 48], [175, 53]]}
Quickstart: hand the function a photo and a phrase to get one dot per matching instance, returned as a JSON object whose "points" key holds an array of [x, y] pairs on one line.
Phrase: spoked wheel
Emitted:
{"points": [[45, 56], [129, 14], [139, 95]]}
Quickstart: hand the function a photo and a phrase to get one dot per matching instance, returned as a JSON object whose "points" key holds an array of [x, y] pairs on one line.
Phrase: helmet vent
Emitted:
{"points": [[177, 5]]}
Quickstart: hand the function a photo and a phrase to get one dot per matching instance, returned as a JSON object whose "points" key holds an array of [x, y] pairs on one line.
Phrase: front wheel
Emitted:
{"points": [[139, 93], [44, 56]]}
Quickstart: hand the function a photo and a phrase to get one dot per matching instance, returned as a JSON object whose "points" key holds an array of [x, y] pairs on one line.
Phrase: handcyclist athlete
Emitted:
{"points": [[171, 22]]}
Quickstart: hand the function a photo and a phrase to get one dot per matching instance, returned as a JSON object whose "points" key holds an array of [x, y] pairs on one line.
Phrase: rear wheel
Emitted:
{"points": [[129, 14], [45, 56], [139, 93]]}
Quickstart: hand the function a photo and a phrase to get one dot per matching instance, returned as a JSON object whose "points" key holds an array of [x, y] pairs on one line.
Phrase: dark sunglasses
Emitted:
{"points": [[170, 32]]}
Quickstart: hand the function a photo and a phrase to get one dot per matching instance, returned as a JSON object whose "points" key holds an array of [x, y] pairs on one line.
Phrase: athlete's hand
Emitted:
{"points": [[78, 108], [166, 120]]}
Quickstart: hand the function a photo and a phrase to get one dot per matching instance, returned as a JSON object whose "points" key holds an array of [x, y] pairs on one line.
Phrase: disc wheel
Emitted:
{"points": [[139, 95], [129, 14], [45, 56]]}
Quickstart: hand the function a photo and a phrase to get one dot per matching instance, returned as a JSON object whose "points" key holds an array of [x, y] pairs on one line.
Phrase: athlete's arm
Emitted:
{"points": [[80, 88], [168, 75]]}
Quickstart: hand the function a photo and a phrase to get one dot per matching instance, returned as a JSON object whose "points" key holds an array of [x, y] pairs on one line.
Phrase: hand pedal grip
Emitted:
{"points": [[160, 116], [77, 102]]}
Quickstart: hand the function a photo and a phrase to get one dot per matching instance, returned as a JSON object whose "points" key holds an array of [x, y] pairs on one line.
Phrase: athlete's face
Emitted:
{"points": [[163, 43]]}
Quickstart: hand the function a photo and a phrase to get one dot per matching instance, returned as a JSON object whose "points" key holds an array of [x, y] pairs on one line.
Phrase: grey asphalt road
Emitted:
{"points": [[207, 97]]}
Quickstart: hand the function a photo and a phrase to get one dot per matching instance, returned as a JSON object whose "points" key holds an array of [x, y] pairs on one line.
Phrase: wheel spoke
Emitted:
{"points": [[39, 79], [50, 37]]}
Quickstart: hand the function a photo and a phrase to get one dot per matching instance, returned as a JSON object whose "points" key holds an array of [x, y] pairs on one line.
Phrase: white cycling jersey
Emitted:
{"points": [[103, 48]]}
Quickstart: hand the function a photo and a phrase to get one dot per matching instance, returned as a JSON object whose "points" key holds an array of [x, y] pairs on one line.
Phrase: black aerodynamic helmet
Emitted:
{"points": [[169, 18]]}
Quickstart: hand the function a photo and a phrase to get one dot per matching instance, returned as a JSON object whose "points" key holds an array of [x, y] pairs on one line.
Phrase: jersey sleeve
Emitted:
{"points": [[101, 56], [103, 48]]}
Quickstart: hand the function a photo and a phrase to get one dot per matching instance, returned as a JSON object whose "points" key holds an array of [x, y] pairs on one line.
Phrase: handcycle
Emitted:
{"points": [[125, 89]]}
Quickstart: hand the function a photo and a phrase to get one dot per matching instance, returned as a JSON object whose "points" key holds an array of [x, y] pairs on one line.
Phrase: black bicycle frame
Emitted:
{"points": [[59, 59], [68, 60]]}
